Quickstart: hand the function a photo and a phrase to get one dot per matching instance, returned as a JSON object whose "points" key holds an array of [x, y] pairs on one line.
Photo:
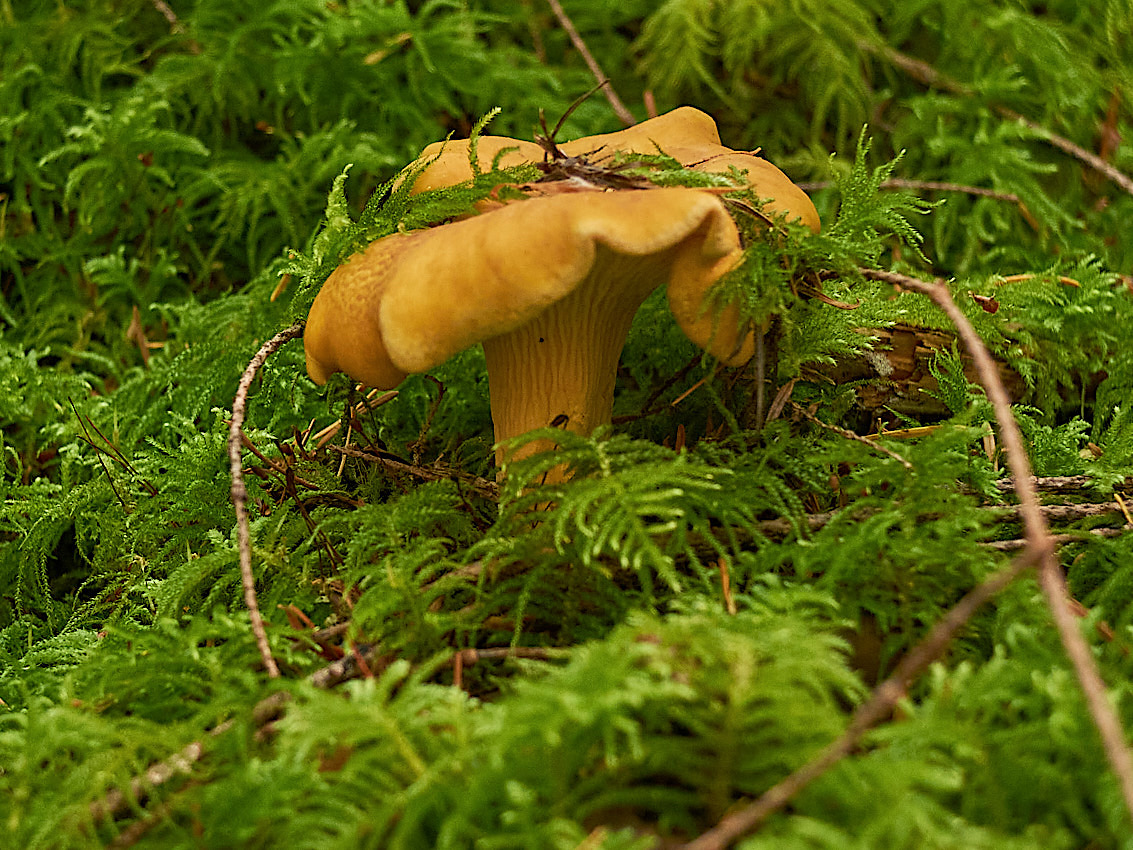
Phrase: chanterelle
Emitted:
{"points": [[548, 285]]}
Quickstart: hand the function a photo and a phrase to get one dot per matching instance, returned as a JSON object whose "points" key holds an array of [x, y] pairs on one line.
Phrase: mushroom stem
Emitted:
{"points": [[560, 368]]}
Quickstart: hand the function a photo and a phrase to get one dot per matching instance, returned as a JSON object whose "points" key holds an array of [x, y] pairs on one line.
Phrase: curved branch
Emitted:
{"points": [[1039, 541], [624, 115], [240, 491], [1039, 550], [880, 704], [929, 76]]}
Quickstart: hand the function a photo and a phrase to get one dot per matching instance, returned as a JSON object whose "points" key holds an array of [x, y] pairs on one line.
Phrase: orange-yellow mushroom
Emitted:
{"points": [[548, 285]]}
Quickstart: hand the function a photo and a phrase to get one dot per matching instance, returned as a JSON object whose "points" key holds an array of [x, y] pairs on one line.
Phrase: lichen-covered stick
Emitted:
{"points": [[240, 491]]}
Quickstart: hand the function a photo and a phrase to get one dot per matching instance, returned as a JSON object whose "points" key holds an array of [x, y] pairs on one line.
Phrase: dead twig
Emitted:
{"points": [[1059, 539], [418, 445], [929, 76], [726, 586], [1069, 513], [1039, 543], [1124, 508], [649, 407], [175, 24], [927, 186], [239, 489], [117, 802], [781, 399], [328, 433], [696, 386], [879, 706], [278, 467], [1038, 551], [1066, 146], [362, 659], [940, 186], [468, 657], [1057, 483], [112, 450], [624, 115], [780, 528]]}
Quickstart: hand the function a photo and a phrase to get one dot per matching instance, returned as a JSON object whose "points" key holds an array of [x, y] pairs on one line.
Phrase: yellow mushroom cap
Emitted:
{"points": [[410, 301], [690, 137], [450, 164], [686, 134]]}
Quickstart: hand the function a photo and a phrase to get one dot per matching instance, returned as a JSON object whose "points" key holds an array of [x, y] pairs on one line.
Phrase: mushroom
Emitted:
{"points": [[686, 134], [548, 285]]}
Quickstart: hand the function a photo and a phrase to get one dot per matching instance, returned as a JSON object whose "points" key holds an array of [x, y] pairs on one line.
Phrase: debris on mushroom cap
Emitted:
{"points": [[686, 134]]}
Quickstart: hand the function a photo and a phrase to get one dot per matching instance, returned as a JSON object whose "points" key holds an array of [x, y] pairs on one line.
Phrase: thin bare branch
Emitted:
{"points": [[466, 657], [1039, 551], [370, 402], [480, 486], [1038, 539], [624, 115], [926, 186], [929, 76], [1059, 483], [779, 528], [850, 435], [175, 25], [240, 490], [879, 706], [1059, 539], [1066, 146], [117, 801]]}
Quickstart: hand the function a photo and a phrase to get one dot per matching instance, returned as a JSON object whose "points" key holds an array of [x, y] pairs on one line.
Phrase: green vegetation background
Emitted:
{"points": [[161, 165]]}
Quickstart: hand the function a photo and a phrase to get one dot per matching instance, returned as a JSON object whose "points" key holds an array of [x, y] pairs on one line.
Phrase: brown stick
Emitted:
{"points": [[1066, 146], [925, 185], [175, 25], [1057, 483], [624, 115], [1058, 513], [880, 704], [466, 657], [240, 491], [1059, 539], [929, 76], [1039, 551], [1038, 539], [116, 802], [850, 435], [480, 486]]}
